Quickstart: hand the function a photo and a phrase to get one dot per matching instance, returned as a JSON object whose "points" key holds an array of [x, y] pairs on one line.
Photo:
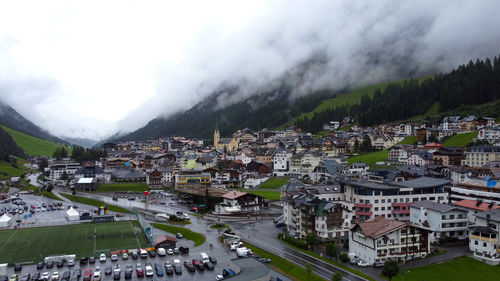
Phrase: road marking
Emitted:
{"points": [[8, 239], [339, 269], [130, 222]]}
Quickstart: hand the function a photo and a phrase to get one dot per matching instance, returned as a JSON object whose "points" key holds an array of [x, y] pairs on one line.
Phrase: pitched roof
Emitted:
{"points": [[475, 205], [234, 194], [431, 205], [493, 215], [379, 226]]}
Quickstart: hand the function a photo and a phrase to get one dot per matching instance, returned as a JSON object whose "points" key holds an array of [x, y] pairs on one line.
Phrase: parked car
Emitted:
{"points": [[169, 268], [25, 277], [161, 251], [149, 270], [18, 267], [88, 274], [77, 272], [36, 276], [55, 276], [189, 266], [176, 251], [124, 256], [179, 235], [128, 271], [197, 263], [184, 250], [60, 263], [152, 254], [378, 264], [363, 263], [135, 255], [92, 260], [158, 269], [40, 265], [45, 276], [170, 251], [139, 270], [177, 266], [212, 259], [265, 260], [209, 265], [97, 276], [114, 257], [66, 275], [83, 261], [219, 277], [102, 257], [71, 262]]}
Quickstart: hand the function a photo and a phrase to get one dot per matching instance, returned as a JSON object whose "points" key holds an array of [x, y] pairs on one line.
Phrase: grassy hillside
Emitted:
{"points": [[113, 187], [460, 139], [274, 183], [370, 158], [7, 170], [351, 97], [409, 140], [31, 145]]}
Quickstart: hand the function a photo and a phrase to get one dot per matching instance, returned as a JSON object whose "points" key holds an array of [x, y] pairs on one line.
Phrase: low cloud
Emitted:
{"points": [[83, 71]]}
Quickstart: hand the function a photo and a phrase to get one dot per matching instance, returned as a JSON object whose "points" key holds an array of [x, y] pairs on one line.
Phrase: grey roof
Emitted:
{"points": [[493, 215], [423, 154], [126, 174], [484, 229], [251, 269], [483, 148], [423, 182], [438, 207]]}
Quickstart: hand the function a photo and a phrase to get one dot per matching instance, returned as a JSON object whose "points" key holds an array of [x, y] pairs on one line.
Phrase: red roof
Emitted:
{"points": [[432, 145], [471, 204], [233, 194]]}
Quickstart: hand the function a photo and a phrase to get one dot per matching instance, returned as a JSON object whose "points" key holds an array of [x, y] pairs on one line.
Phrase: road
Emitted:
{"points": [[264, 235], [33, 179]]}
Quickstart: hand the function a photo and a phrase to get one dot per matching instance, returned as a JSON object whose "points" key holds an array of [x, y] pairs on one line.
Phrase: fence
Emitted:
{"points": [[146, 229]]}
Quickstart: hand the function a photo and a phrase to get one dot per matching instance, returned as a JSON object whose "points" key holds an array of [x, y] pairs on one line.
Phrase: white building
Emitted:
{"points": [[483, 238], [440, 219], [380, 239], [491, 134], [58, 170], [391, 200], [281, 163]]}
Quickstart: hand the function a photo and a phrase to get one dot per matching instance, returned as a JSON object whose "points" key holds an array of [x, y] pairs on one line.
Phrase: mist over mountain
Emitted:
{"points": [[9, 117]]}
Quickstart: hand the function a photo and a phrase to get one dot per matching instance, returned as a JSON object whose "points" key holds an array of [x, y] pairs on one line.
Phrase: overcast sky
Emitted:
{"points": [[92, 68]]}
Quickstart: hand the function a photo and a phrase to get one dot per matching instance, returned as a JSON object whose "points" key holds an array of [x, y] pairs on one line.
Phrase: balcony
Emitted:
{"points": [[361, 213], [400, 212], [485, 239], [367, 206], [399, 205]]}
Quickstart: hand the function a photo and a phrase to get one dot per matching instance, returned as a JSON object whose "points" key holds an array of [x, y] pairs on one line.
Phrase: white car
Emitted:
{"points": [[219, 277], [161, 252], [170, 251], [114, 257], [55, 276], [125, 256], [102, 257], [363, 263], [149, 271], [236, 245], [71, 262], [97, 276], [45, 276]]}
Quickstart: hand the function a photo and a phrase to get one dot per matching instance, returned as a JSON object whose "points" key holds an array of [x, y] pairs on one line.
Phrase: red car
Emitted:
{"points": [[88, 274], [139, 270]]}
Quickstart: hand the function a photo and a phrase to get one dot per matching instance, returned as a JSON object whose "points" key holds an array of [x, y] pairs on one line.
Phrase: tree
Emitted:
{"points": [[64, 176], [344, 257], [43, 164], [391, 269], [432, 138], [337, 276], [332, 250], [366, 145], [356, 145], [308, 271], [311, 239]]}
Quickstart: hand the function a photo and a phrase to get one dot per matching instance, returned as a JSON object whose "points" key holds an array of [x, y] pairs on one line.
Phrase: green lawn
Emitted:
{"points": [[196, 237], [31, 145], [7, 170], [112, 187], [409, 140], [93, 202], [274, 183], [460, 139], [370, 158], [219, 226], [463, 268], [267, 194], [283, 266], [33, 244], [352, 270], [49, 195]]}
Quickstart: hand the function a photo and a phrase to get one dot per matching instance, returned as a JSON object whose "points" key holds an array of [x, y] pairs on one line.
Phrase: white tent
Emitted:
{"points": [[4, 220], [72, 214]]}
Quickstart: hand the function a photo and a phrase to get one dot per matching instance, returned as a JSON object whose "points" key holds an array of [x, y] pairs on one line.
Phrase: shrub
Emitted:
{"points": [[296, 242]]}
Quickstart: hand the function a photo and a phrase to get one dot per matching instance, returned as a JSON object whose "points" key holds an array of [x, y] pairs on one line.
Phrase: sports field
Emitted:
{"points": [[33, 244]]}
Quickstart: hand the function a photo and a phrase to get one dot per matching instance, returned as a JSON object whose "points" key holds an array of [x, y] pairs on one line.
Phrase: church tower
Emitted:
{"points": [[216, 137]]}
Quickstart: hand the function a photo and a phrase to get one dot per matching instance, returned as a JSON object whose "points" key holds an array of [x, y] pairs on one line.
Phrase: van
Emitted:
{"points": [[242, 252], [204, 257], [161, 251], [143, 253]]}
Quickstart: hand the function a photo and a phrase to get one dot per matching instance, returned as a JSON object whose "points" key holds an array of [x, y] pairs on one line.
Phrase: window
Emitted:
{"points": [[452, 217], [388, 200], [383, 208], [485, 244], [475, 242], [376, 208], [383, 200]]}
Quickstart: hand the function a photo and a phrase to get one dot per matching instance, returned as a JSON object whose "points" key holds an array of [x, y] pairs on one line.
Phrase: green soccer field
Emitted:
{"points": [[34, 244]]}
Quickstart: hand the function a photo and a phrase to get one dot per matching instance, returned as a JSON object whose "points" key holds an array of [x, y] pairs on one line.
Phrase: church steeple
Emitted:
{"points": [[216, 135]]}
